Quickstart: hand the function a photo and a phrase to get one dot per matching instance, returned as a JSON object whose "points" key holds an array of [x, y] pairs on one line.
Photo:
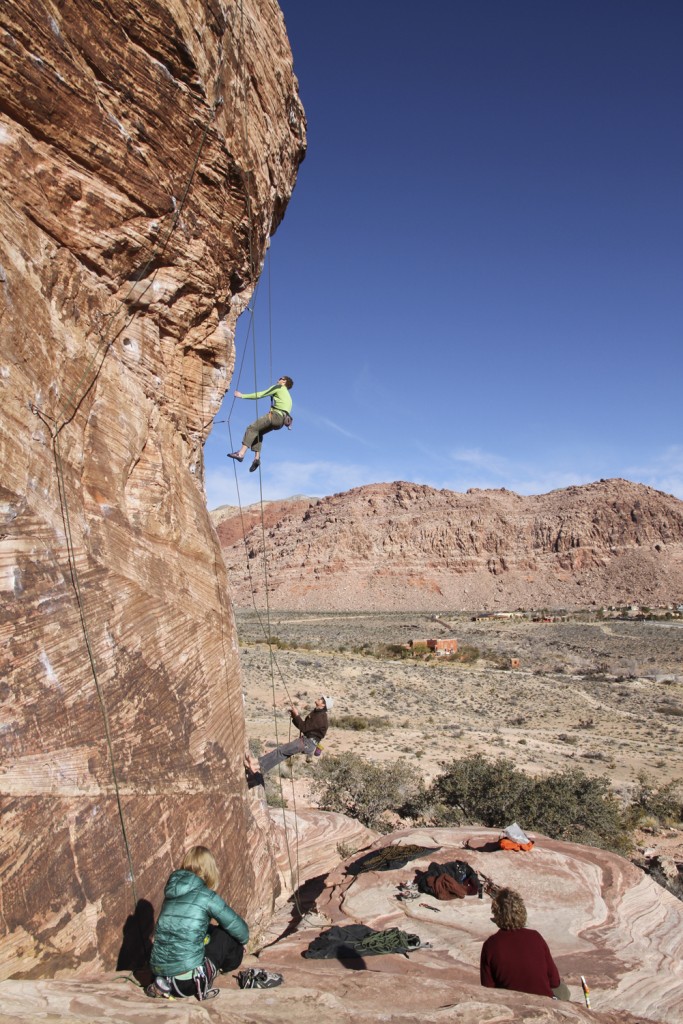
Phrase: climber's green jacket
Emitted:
{"points": [[280, 398], [183, 923]]}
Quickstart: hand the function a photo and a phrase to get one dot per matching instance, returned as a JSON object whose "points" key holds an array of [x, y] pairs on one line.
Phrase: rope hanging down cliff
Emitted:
{"points": [[67, 409], [265, 627]]}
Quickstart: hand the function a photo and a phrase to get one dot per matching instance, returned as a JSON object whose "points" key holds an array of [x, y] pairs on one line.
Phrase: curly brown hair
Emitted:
{"points": [[508, 910]]}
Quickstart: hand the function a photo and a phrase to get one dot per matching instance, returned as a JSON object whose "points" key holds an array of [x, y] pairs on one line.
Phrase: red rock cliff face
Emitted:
{"points": [[404, 545], [147, 152]]}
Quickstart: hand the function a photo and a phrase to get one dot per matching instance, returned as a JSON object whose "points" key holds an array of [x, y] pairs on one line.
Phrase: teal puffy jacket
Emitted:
{"points": [[183, 923]]}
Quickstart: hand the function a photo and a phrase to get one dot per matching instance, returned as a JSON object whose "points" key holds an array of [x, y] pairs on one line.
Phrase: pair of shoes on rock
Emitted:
{"points": [[236, 456], [254, 978], [407, 891]]}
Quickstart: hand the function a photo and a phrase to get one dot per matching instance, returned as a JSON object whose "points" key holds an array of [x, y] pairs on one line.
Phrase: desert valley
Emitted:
{"points": [[604, 694], [549, 688]]}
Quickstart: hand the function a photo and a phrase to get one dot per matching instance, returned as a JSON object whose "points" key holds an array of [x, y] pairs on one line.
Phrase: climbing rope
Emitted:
{"points": [[67, 409], [266, 625], [70, 547], [251, 330]]}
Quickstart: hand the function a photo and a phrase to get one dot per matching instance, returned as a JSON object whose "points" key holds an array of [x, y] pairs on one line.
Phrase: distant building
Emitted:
{"points": [[500, 615], [437, 646]]}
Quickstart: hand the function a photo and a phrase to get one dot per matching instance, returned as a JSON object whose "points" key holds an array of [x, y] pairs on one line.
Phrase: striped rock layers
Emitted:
{"points": [[147, 152]]}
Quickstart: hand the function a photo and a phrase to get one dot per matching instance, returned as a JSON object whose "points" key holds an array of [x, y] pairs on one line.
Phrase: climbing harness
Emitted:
{"points": [[201, 977]]}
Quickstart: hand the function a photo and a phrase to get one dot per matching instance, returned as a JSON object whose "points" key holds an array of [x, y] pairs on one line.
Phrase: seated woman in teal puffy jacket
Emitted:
{"points": [[188, 950]]}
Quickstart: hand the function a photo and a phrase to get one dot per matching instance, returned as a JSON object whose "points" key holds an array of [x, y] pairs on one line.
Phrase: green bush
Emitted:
{"points": [[574, 806], [567, 805], [288, 645], [663, 803], [355, 722], [476, 790], [274, 794], [351, 784], [466, 654]]}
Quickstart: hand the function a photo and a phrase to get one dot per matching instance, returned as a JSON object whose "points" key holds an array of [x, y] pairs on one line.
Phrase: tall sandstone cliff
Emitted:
{"points": [[147, 152], [404, 545]]}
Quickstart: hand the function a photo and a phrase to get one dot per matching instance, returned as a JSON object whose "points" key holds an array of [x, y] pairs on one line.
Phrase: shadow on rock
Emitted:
{"points": [[136, 946], [303, 900]]}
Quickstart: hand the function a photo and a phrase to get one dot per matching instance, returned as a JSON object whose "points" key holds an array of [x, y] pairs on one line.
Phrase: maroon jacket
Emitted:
{"points": [[518, 959]]}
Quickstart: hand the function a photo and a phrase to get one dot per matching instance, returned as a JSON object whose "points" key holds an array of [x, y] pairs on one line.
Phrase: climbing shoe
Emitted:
{"points": [[159, 989], [407, 891], [236, 456], [253, 978], [255, 465]]}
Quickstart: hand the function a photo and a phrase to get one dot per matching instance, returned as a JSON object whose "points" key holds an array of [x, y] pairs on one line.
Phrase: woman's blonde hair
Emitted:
{"points": [[199, 860], [508, 910]]}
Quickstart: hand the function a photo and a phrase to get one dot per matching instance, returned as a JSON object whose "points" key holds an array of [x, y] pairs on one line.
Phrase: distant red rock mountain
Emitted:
{"points": [[403, 545]]}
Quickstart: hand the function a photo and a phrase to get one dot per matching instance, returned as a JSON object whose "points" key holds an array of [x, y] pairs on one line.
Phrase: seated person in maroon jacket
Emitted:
{"points": [[517, 957]]}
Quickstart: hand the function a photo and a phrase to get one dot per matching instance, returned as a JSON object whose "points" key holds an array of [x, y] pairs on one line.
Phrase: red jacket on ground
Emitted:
{"points": [[520, 960]]}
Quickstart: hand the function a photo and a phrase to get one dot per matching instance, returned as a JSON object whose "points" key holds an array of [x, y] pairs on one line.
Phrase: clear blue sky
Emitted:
{"points": [[478, 280]]}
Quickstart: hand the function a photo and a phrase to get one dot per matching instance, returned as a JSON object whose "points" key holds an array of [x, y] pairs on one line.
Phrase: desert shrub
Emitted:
{"points": [[476, 790], [281, 644], [566, 805], [573, 806], [669, 708], [362, 649], [351, 784], [345, 850], [355, 722], [664, 803], [274, 794], [498, 660], [358, 722], [466, 654]]}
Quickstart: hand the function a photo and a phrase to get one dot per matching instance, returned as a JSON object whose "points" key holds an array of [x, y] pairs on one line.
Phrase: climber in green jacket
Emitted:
{"points": [[278, 417], [188, 951]]}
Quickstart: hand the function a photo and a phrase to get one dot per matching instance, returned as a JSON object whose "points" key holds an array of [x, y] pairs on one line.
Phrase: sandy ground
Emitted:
{"points": [[604, 696]]}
